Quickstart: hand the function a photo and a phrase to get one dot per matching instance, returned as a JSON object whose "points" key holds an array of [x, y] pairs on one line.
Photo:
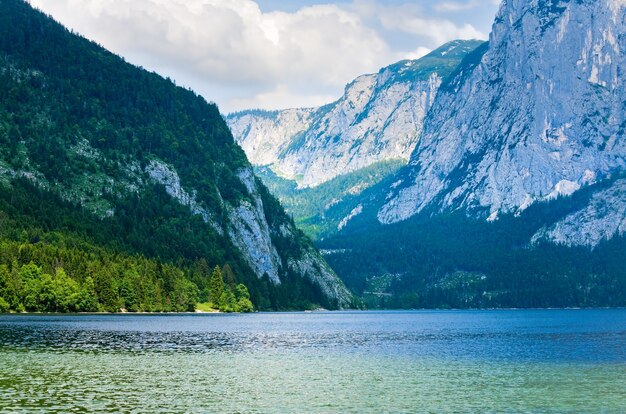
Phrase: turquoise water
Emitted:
{"points": [[362, 362]]}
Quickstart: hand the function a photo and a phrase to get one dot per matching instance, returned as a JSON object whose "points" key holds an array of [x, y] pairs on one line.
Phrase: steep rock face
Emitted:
{"points": [[249, 230], [263, 135], [601, 219], [311, 265], [379, 118], [537, 114]]}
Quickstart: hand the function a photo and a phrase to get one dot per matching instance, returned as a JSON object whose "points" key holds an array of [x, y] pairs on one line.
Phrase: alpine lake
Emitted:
{"points": [[500, 361]]}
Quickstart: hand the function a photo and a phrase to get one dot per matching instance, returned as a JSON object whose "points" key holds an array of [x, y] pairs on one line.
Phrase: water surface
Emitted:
{"points": [[362, 362]]}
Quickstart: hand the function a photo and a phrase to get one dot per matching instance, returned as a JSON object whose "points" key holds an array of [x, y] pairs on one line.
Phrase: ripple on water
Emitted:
{"points": [[276, 363]]}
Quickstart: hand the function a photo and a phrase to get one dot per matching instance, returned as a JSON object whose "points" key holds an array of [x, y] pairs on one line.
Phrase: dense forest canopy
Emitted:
{"points": [[451, 260]]}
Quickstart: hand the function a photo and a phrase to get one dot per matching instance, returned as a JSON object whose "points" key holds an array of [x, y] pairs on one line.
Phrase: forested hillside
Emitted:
{"points": [[309, 206], [450, 260], [107, 170]]}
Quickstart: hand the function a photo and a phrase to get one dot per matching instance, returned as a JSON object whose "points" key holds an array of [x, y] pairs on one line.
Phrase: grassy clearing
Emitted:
{"points": [[206, 307]]}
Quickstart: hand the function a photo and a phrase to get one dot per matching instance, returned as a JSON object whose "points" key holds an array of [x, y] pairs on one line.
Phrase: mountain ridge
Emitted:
{"points": [[334, 152], [378, 118], [79, 122]]}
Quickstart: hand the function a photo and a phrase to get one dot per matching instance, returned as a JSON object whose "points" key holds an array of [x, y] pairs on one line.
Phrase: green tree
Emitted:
{"points": [[65, 293], [7, 292], [216, 287], [39, 294], [228, 302], [11, 288], [185, 295], [32, 280], [4, 305], [243, 299], [107, 290], [229, 276], [30, 272], [88, 301], [128, 294]]}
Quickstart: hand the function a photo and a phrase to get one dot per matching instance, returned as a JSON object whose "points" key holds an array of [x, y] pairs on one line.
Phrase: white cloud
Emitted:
{"points": [[453, 6], [416, 54], [230, 42], [441, 31], [411, 19], [456, 6], [282, 97], [235, 54]]}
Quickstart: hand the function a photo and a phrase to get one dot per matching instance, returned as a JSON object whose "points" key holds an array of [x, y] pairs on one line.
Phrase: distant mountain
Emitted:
{"points": [[378, 121], [379, 118], [515, 194], [95, 150]]}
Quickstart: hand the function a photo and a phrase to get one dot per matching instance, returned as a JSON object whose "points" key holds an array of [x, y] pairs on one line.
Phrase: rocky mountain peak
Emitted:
{"points": [[537, 115]]}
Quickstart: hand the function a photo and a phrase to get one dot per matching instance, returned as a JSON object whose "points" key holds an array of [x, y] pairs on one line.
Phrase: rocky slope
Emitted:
{"points": [[80, 123], [379, 118], [537, 114]]}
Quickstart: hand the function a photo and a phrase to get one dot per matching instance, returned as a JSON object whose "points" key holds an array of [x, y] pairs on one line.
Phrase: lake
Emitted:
{"points": [[547, 361]]}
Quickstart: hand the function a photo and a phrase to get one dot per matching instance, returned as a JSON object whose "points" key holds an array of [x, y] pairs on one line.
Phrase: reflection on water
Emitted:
{"points": [[514, 361]]}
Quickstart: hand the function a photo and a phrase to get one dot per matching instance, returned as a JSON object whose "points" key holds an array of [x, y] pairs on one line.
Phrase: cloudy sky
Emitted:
{"points": [[271, 54]]}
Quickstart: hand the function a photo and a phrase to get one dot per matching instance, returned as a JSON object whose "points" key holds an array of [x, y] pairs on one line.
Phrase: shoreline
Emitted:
{"points": [[213, 312]]}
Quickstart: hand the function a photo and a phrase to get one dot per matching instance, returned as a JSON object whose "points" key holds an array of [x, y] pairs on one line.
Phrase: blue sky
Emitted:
{"points": [[271, 54]]}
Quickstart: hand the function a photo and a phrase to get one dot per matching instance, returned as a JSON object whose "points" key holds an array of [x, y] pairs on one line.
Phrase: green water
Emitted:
{"points": [[329, 363]]}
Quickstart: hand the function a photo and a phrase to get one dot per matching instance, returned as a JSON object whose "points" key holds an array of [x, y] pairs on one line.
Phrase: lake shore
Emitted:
{"points": [[307, 311]]}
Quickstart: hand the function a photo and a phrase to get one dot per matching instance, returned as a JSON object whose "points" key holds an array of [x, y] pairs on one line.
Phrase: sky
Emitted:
{"points": [[271, 54]]}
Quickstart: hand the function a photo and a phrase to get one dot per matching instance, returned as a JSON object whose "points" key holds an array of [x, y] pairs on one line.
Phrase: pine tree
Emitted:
{"points": [[216, 287], [229, 276]]}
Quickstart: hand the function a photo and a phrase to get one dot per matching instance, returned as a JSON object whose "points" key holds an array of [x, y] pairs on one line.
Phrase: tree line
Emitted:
{"points": [[41, 277]]}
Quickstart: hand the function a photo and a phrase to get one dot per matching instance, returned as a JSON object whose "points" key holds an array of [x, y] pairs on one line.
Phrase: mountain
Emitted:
{"points": [[537, 115], [376, 123], [515, 194], [96, 152], [379, 118]]}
